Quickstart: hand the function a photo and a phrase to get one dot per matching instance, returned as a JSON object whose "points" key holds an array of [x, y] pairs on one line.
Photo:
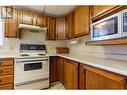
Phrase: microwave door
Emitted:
{"points": [[124, 23], [107, 28]]}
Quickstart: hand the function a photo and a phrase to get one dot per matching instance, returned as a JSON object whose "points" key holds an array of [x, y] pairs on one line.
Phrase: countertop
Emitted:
{"points": [[113, 65]]}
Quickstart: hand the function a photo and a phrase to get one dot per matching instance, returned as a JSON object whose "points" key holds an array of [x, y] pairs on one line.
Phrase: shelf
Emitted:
{"points": [[120, 41]]}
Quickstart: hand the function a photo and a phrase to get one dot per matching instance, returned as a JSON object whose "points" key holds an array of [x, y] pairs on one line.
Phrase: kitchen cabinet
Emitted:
{"points": [[26, 17], [51, 25], [60, 63], [94, 78], [11, 26], [82, 77], [100, 9], [41, 20], [82, 21], [70, 25], [61, 28], [53, 69], [70, 74], [6, 74]]}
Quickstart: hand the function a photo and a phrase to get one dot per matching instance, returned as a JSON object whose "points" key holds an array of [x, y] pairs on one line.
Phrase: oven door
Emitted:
{"points": [[31, 69], [107, 28]]}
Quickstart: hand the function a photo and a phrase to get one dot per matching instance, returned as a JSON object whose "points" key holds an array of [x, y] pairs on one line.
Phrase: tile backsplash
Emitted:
{"points": [[13, 44]]}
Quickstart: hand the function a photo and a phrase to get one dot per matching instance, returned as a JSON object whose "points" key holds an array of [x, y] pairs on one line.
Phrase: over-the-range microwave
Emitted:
{"points": [[114, 26]]}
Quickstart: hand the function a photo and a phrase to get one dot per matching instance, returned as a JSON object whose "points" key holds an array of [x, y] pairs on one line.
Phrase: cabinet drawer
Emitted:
{"points": [[6, 79], [6, 87], [5, 62], [6, 70]]}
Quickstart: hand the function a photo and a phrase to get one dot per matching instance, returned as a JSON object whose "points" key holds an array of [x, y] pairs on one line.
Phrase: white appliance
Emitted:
{"points": [[31, 68], [124, 23], [107, 28]]}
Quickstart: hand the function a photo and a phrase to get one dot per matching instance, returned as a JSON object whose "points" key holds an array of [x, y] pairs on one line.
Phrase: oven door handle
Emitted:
{"points": [[31, 61]]}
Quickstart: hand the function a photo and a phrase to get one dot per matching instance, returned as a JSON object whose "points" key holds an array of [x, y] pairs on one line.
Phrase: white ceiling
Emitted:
{"points": [[50, 10]]}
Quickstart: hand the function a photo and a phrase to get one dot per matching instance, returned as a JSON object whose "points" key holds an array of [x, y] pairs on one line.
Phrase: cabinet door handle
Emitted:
{"points": [[1, 71]]}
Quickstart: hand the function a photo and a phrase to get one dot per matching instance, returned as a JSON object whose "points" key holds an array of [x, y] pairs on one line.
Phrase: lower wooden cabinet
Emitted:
{"points": [[6, 74], [53, 69], [70, 74], [60, 62], [94, 78], [74, 75], [6, 87]]}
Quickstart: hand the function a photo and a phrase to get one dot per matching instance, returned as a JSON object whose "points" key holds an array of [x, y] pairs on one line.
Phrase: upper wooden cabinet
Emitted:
{"points": [[51, 32], [70, 26], [11, 26], [70, 74], [26, 17], [61, 28], [97, 10], [41, 20], [82, 21]]}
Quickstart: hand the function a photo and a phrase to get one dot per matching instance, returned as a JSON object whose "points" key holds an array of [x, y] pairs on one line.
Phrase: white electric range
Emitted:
{"points": [[31, 69]]}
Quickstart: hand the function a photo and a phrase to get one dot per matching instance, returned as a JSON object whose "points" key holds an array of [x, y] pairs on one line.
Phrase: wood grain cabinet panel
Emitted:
{"points": [[60, 62], [6, 79], [6, 87], [100, 79], [70, 74], [82, 21], [26, 17], [6, 62], [61, 28], [11, 26], [100, 9], [51, 25], [41, 20], [6, 70], [70, 25], [53, 69]]}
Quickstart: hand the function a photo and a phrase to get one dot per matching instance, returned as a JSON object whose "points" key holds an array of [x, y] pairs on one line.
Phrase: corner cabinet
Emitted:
{"points": [[11, 26], [61, 28], [51, 31], [82, 21], [70, 74], [94, 78]]}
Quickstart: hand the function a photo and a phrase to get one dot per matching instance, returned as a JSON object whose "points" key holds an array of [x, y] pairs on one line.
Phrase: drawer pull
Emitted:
{"points": [[1, 71]]}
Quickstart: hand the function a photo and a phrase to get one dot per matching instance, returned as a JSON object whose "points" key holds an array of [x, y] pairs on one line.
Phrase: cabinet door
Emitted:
{"points": [[53, 69], [82, 21], [101, 9], [70, 74], [60, 28], [61, 69], [11, 25], [82, 77], [100, 79], [41, 20], [51, 24], [70, 26], [26, 17]]}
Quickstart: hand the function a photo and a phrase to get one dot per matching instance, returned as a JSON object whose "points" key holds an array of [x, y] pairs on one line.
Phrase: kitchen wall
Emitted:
{"points": [[117, 52], [12, 45]]}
